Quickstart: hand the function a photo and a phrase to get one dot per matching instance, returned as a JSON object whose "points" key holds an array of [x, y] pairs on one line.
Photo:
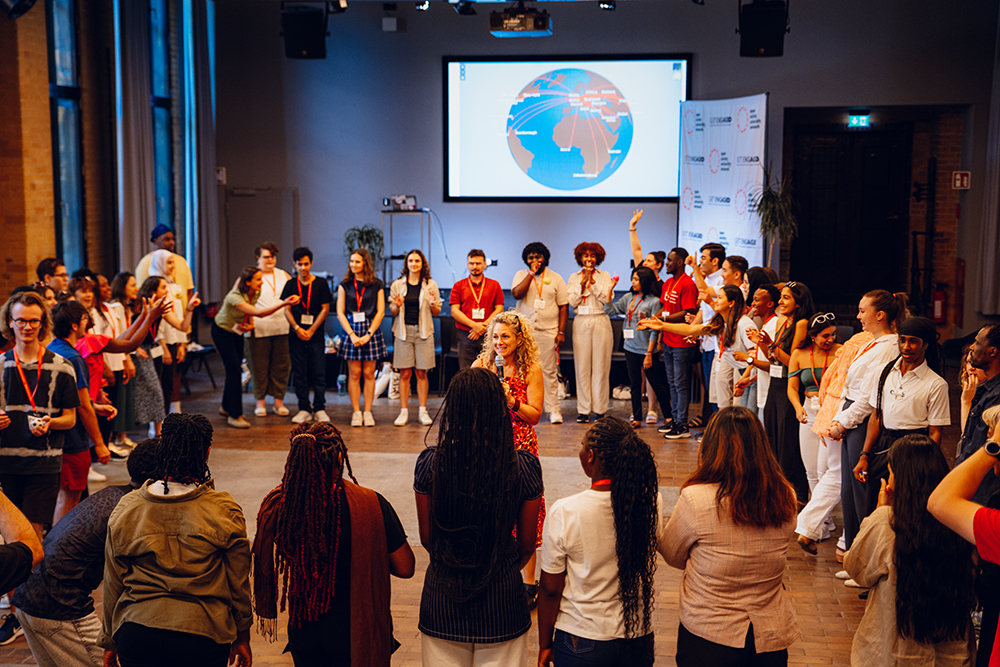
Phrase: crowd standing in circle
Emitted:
{"points": [[85, 359]]}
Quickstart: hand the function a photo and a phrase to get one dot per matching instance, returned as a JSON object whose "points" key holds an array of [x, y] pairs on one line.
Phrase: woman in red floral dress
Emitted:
{"points": [[508, 335]]}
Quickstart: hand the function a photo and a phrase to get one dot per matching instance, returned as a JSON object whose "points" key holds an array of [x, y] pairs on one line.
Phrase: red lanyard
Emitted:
{"points": [[309, 293], [357, 295], [38, 376], [631, 309], [472, 288], [600, 482], [867, 347], [538, 283], [153, 328], [812, 363]]}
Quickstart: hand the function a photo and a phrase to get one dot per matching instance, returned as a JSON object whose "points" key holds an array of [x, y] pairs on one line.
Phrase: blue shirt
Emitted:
{"points": [[646, 306], [77, 439]]}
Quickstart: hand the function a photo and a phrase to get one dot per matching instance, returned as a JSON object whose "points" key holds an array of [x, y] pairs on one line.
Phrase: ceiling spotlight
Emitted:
{"points": [[608, 5], [423, 6], [465, 7]]}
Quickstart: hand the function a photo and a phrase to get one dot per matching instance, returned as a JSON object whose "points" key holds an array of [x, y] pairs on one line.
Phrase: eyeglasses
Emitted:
{"points": [[27, 324], [61, 275], [821, 318]]}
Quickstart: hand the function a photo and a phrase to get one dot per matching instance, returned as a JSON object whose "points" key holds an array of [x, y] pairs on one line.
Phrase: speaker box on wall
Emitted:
{"points": [[304, 30], [762, 29]]}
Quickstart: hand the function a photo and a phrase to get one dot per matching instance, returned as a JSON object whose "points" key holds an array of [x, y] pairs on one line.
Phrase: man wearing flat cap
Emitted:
{"points": [[163, 238]]}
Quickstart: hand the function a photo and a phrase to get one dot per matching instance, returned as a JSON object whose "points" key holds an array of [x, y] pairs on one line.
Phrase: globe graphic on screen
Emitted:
{"points": [[569, 129]]}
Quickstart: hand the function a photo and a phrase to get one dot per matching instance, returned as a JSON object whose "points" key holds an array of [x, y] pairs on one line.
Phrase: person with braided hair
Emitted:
{"points": [[331, 544], [471, 490], [729, 533], [595, 601], [177, 563]]}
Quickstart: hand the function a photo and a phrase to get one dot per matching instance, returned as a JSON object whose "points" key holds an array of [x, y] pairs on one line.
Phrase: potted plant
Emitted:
{"points": [[773, 203], [368, 237]]}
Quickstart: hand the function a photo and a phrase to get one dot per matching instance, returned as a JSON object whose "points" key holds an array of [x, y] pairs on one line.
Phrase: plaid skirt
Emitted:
{"points": [[373, 350]]}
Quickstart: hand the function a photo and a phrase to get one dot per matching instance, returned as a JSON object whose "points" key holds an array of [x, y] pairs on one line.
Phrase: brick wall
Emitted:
{"points": [[26, 196]]}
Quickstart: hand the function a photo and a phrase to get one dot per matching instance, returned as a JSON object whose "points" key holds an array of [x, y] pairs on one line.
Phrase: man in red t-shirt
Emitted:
{"points": [[678, 297], [951, 504], [474, 300]]}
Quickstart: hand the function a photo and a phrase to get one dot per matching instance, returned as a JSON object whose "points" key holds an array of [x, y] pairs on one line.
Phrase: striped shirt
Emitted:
{"points": [[22, 453], [497, 613]]}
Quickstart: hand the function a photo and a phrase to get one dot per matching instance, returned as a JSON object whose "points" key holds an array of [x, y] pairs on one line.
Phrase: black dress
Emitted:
{"points": [[782, 428]]}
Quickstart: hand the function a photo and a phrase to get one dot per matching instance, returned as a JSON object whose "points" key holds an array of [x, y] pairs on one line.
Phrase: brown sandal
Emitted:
{"points": [[809, 546]]}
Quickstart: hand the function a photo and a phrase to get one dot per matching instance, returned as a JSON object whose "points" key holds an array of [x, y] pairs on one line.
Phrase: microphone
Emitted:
{"points": [[499, 363]]}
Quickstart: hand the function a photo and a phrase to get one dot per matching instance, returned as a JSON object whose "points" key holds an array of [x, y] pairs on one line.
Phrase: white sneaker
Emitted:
{"points": [[404, 416], [425, 419], [321, 416], [842, 575], [238, 422], [301, 417], [651, 417], [555, 417], [356, 419], [94, 476], [853, 584], [369, 419]]}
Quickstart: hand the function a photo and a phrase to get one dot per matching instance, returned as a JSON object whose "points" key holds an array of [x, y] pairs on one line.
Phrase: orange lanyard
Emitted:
{"points": [[631, 308], [273, 284], [812, 362], [358, 296], [472, 288], [24, 380], [538, 283], [309, 293]]}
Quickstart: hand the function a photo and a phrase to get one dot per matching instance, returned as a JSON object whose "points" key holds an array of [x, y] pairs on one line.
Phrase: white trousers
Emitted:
{"points": [[814, 454], [724, 379], [549, 360], [825, 496], [592, 343], [443, 653]]}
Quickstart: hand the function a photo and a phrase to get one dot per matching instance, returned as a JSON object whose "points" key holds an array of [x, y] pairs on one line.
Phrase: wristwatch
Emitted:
{"points": [[992, 448]]}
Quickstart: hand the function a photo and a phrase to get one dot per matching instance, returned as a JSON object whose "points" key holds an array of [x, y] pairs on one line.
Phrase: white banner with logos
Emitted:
{"points": [[722, 159]]}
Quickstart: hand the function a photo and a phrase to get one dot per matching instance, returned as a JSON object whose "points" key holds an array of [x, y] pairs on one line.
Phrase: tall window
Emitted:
{"points": [[64, 93], [159, 44]]}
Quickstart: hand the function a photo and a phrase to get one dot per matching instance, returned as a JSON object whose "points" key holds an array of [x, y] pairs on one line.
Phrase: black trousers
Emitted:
{"points": [[657, 376], [693, 651], [230, 347], [141, 646]]}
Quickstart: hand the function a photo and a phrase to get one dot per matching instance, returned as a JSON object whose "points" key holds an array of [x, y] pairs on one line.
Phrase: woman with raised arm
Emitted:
{"points": [[599, 556], [471, 490], [360, 309]]}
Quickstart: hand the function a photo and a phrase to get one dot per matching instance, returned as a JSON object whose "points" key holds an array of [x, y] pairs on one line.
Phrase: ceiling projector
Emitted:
{"points": [[520, 22]]}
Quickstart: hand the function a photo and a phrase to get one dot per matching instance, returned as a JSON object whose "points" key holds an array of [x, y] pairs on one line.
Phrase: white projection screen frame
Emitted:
{"points": [[593, 128]]}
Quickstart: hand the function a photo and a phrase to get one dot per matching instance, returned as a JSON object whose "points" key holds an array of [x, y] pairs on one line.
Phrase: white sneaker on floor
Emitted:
{"points": [[238, 422], [301, 417], [94, 476], [424, 417], [555, 418], [369, 419], [260, 411], [321, 416], [404, 416], [651, 417], [118, 450], [852, 584], [842, 575], [356, 419]]}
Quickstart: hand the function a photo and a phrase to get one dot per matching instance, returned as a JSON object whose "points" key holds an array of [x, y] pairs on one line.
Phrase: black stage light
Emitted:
{"points": [[763, 24], [16, 8]]}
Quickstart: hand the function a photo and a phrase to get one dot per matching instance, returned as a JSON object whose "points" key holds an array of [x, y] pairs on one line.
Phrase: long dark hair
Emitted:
{"points": [[185, 439], [932, 601], [628, 463], [735, 455], [118, 286], [425, 268], [307, 540], [726, 327], [647, 280], [475, 488], [804, 310]]}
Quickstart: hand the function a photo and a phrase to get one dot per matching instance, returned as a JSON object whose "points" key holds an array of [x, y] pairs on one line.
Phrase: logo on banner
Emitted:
{"points": [[720, 121], [740, 202], [742, 119], [695, 159], [690, 121], [747, 160], [716, 200], [714, 160], [687, 198]]}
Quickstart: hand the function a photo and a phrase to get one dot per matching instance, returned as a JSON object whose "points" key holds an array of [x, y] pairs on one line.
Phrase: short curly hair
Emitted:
{"points": [[595, 248], [527, 349], [536, 248]]}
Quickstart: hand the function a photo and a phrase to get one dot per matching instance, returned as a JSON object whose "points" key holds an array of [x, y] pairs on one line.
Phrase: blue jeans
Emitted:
{"points": [[707, 359], [677, 361], [572, 651], [309, 369]]}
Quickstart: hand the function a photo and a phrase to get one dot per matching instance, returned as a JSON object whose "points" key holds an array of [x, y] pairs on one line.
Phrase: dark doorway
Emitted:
{"points": [[852, 193]]}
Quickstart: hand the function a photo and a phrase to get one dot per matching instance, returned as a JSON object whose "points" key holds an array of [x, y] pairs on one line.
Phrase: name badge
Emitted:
{"points": [[307, 320], [777, 371], [628, 333], [357, 317], [583, 310], [479, 313], [539, 304], [155, 352]]}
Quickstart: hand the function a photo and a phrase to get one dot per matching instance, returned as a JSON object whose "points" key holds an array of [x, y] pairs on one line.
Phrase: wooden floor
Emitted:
{"points": [[827, 612]]}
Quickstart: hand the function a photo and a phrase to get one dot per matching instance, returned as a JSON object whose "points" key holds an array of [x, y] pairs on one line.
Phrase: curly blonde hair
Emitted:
{"points": [[527, 349]]}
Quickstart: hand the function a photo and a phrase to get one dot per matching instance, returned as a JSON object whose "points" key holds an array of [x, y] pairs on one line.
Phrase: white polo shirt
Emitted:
{"points": [[915, 400], [553, 294]]}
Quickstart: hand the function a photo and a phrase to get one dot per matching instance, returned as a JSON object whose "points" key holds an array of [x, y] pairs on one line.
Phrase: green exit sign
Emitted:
{"points": [[858, 120]]}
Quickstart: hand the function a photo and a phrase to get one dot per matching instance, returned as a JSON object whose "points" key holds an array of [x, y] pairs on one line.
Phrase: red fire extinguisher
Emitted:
{"points": [[939, 304]]}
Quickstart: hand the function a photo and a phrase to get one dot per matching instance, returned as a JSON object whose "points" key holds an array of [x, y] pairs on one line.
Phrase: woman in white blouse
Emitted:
{"points": [[729, 533], [164, 265], [589, 289], [880, 313], [266, 347]]}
